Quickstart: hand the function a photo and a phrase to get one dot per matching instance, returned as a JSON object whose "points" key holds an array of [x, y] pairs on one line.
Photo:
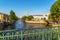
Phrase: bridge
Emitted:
{"points": [[31, 34]]}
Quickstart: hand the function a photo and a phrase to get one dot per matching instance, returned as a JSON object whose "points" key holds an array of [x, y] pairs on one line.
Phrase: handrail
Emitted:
{"points": [[29, 32]]}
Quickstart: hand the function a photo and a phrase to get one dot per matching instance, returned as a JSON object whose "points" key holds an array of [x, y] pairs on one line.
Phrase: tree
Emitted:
{"points": [[27, 18], [55, 11], [44, 18], [30, 17], [12, 15], [24, 18]]}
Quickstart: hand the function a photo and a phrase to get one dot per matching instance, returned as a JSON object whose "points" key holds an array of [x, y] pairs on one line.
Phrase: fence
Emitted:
{"points": [[31, 34]]}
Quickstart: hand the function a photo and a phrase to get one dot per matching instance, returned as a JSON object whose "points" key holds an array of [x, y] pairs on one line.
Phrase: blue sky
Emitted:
{"points": [[19, 6]]}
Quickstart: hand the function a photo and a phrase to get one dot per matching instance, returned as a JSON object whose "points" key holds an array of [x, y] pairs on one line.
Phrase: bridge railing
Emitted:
{"points": [[31, 34]]}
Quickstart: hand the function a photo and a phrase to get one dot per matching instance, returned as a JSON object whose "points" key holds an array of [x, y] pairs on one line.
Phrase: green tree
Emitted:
{"points": [[44, 18], [55, 11], [27, 18], [12, 15], [30, 17], [24, 18]]}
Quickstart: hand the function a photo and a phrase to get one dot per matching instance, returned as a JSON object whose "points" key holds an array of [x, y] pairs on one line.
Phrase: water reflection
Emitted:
{"points": [[17, 25], [20, 24]]}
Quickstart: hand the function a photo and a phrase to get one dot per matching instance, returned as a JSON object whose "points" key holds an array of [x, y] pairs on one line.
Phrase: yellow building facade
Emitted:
{"points": [[3, 17]]}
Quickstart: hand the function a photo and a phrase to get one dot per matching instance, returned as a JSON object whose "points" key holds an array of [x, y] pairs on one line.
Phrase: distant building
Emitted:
{"points": [[3, 17], [40, 17]]}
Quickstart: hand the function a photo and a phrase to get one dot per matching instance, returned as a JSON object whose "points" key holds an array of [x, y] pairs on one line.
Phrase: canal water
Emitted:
{"points": [[20, 24], [17, 25]]}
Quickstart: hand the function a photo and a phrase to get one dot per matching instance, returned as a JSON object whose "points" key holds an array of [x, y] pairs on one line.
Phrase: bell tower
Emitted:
{"points": [[26, 12]]}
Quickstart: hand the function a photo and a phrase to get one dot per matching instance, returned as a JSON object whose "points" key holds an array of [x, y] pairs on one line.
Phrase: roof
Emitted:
{"points": [[40, 15], [3, 13], [37, 15]]}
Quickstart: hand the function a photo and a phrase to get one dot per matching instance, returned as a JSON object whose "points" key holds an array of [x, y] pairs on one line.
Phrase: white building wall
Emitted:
{"points": [[37, 17]]}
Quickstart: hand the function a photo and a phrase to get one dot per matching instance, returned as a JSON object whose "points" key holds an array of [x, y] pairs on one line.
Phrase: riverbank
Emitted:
{"points": [[41, 23]]}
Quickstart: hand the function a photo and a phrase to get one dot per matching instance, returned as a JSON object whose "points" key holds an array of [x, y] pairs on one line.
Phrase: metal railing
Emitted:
{"points": [[31, 34]]}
